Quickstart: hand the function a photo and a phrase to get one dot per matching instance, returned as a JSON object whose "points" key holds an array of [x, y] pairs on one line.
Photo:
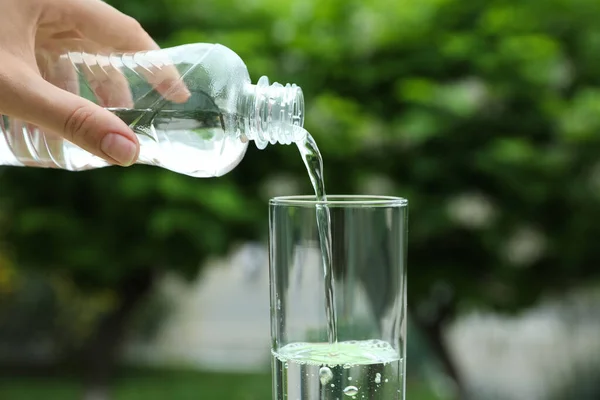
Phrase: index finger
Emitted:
{"points": [[107, 26], [110, 28]]}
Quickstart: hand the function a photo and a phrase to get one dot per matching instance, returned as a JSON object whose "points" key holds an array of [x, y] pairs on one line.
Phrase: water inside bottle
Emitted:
{"points": [[145, 121], [191, 142]]}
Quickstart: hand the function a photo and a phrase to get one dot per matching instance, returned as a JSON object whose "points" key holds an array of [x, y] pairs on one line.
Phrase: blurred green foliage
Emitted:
{"points": [[484, 114], [432, 99]]}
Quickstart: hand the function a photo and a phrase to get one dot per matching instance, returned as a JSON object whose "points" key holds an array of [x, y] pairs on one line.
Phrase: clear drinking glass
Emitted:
{"points": [[365, 357]]}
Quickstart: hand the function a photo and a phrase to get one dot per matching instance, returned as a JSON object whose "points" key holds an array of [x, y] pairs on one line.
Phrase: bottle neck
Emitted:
{"points": [[273, 113]]}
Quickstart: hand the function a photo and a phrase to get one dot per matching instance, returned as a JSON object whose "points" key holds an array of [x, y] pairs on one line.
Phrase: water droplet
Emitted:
{"points": [[325, 375], [386, 380], [332, 385], [349, 378], [350, 390], [378, 378]]}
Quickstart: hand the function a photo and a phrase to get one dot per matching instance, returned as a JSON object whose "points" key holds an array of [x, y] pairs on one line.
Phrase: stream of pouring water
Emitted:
{"points": [[311, 156]]}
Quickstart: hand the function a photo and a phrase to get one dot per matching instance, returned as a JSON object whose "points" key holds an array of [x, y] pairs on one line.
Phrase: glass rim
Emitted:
{"points": [[340, 200]]}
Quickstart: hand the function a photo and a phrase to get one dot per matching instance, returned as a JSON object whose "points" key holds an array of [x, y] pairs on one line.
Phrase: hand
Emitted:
{"points": [[34, 90]]}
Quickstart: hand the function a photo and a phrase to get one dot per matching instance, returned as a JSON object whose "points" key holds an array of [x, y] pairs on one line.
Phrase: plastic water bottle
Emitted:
{"points": [[193, 108]]}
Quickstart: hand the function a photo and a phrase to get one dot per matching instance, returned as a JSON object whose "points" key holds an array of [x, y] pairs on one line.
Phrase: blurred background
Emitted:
{"points": [[144, 284]]}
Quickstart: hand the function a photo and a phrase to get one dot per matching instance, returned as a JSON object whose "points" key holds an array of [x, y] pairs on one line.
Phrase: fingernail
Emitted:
{"points": [[174, 90], [119, 148], [184, 92]]}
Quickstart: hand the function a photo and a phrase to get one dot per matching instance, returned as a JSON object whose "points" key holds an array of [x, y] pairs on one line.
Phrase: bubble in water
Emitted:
{"points": [[350, 390], [349, 378], [378, 378], [386, 380], [286, 365], [325, 375], [332, 385]]}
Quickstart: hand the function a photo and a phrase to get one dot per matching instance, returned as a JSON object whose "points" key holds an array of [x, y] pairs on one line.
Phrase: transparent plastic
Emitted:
{"points": [[193, 108]]}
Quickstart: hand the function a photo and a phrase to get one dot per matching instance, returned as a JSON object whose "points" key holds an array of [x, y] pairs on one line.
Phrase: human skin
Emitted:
{"points": [[37, 89]]}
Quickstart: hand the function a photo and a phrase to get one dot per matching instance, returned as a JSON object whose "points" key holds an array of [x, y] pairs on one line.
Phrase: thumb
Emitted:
{"points": [[76, 119]]}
